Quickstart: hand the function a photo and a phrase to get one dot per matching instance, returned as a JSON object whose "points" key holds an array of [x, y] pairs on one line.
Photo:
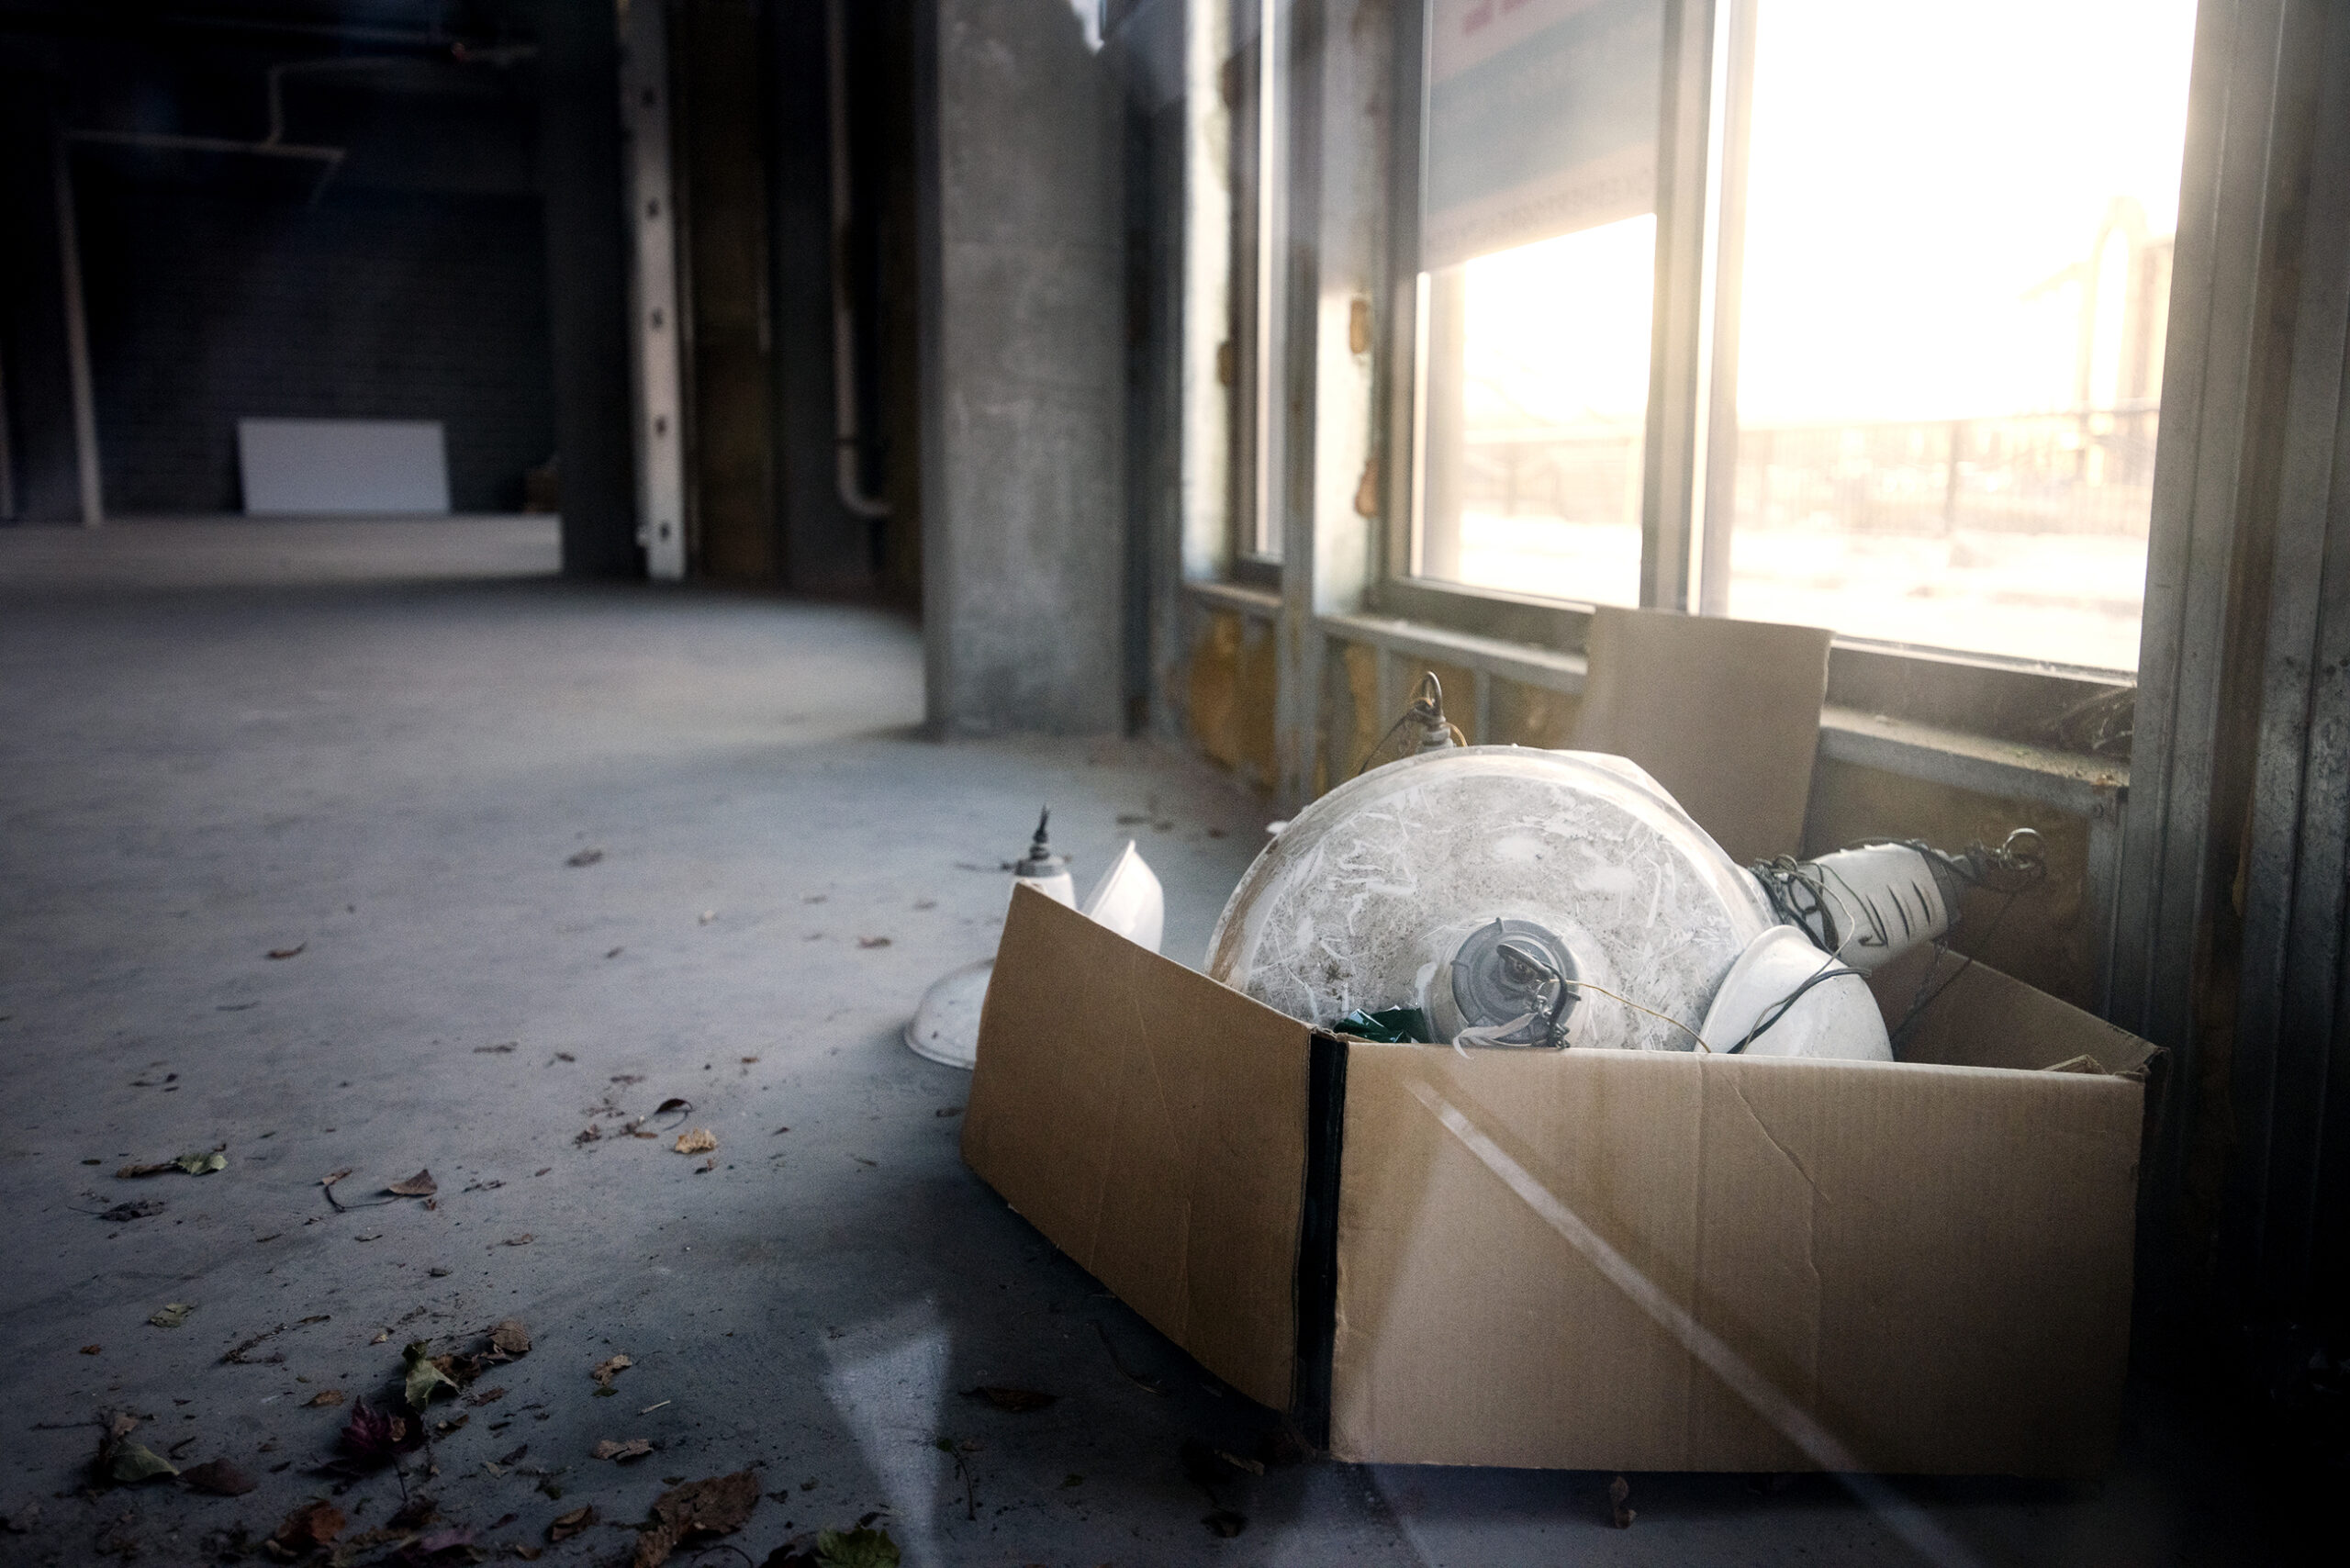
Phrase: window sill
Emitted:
{"points": [[1241, 599], [2085, 786], [2073, 782]]}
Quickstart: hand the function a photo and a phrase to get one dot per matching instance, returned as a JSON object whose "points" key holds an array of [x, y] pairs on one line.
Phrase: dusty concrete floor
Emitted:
{"points": [[376, 747]]}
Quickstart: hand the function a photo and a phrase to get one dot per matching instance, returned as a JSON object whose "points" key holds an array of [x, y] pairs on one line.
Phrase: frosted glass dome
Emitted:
{"points": [[1384, 894]]}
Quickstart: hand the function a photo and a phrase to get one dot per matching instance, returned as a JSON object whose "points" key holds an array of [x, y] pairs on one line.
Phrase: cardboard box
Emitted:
{"points": [[1587, 1259]]}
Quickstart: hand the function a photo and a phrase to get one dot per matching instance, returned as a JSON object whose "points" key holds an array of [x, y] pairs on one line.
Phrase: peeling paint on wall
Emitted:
{"points": [[1230, 687]]}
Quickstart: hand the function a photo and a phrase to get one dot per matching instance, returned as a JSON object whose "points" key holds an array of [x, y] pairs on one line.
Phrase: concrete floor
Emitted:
{"points": [[377, 745]]}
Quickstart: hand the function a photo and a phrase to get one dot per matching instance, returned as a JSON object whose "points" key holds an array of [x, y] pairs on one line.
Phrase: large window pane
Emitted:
{"points": [[1957, 271], [1538, 251]]}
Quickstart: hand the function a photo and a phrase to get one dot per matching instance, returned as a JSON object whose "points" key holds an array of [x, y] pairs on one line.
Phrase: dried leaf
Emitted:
{"points": [[523, 1240], [584, 858], [295, 951], [378, 1436], [873, 941], [325, 1399], [236, 1354], [506, 1048], [636, 1448], [719, 1505], [606, 1371], [509, 1337], [707, 1166], [588, 1134], [92, 1350], [422, 1376], [128, 1463], [309, 1527], [220, 1478], [420, 1185], [672, 1103], [568, 1525], [159, 1168], [433, 1543], [701, 1140], [1019, 1401], [859, 1547], [173, 1314], [202, 1162], [122, 1213]]}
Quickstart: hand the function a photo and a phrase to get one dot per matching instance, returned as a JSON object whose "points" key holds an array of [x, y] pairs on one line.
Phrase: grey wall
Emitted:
{"points": [[204, 308], [37, 419], [1022, 250]]}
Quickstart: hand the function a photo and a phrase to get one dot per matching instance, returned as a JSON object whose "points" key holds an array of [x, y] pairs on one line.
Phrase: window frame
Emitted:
{"points": [[1693, 364]]}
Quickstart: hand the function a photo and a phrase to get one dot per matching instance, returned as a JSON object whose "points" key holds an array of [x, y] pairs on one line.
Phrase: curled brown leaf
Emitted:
{"points": [[565, 1526], [622, 1452]]}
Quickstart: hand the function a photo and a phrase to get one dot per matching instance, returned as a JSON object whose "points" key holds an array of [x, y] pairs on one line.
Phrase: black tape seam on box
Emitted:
{"points": [[1318, 1238]]}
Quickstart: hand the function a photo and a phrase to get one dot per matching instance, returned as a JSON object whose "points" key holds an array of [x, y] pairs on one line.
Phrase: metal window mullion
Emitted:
{"points": [[1271, 296], [1292, 37], [1670, 476], [1400, 386], [1716, 506]]}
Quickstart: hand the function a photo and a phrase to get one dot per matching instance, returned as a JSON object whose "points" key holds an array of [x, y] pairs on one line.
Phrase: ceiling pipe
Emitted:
{"points": [[848, 441]]}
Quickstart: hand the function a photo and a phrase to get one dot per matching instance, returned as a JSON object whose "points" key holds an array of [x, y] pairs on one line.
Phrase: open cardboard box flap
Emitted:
{"points": [[1590, 1259], [1152, 1122]]}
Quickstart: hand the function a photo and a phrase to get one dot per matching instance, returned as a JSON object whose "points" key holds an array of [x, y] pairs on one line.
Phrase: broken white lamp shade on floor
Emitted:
{"points": [[1128, 899]]}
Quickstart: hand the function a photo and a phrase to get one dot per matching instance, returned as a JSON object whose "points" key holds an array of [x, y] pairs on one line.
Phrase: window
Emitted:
{"points": [[1537, 260], [1937, 271]]}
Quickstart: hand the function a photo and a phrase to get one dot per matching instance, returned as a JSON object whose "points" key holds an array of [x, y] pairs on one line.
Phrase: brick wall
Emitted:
{"points": [[208, 304]]}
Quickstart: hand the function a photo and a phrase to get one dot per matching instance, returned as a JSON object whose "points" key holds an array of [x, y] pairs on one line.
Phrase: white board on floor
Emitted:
{"points": [[308, 467]]}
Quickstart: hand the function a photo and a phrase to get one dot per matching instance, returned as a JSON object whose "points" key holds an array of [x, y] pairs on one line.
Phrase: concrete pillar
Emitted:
{"points": [[1021, 250], [587, 307]]}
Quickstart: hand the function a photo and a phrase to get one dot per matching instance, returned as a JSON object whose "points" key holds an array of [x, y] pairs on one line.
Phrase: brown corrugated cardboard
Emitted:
{"points": [[1660, 1261], [1724, 714], [1153, 1124], [1588, 1260]]}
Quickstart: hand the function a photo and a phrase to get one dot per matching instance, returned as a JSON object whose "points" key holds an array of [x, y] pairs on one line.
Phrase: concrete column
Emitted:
{"points": [[588, 303], [1021, 249]]}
